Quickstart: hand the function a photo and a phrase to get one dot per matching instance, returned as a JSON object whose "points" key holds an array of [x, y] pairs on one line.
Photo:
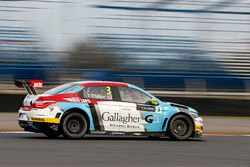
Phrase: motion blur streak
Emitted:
{"points": [[165, 45]]}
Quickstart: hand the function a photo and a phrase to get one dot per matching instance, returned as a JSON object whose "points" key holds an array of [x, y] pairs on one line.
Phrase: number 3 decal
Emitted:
{"points": [[108, 90]]}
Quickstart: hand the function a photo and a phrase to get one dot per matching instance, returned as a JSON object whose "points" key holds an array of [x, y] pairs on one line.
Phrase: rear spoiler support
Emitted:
{"points": [[29, 85]]}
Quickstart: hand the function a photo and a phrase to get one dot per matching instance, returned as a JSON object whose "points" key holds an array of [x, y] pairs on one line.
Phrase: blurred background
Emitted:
{"points": [[194, 52]]}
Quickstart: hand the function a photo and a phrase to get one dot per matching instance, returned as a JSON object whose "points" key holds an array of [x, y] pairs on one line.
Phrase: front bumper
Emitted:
{"points": [[198, 127]]}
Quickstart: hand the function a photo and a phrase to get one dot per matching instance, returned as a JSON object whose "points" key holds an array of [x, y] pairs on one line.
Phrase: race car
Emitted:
{"points": [[104, 107]]}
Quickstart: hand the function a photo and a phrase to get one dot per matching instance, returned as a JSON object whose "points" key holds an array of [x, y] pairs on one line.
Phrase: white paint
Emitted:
{"points": [[48, 112], [116, 116]]}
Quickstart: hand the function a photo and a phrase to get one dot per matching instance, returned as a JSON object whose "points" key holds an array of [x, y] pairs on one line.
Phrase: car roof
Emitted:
{"points": [[101, 83]]}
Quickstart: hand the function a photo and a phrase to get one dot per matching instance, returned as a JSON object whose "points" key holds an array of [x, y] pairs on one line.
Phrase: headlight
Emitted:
{"points": [[194, 115]]}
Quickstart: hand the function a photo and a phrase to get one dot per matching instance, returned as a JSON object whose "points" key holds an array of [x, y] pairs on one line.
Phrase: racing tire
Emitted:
{"points": [[180, 127], [74, 126], [52, 134]]}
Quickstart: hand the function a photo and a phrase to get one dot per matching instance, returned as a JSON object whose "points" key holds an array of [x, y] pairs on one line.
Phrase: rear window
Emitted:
{"points": [[66, 88]]}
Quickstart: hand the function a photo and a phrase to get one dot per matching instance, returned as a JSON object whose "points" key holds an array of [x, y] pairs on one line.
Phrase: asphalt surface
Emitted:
{"points": [[24, 150], [212, 124]]}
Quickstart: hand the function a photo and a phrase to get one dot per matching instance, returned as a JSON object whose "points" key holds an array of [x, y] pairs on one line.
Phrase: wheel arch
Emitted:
{"points": [[179, 113], [78, 110]]}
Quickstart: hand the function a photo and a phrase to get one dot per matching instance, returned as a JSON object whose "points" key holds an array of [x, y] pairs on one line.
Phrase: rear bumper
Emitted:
{"points": [[40, 119], [28, 126], [50, 114], [38, 126]]}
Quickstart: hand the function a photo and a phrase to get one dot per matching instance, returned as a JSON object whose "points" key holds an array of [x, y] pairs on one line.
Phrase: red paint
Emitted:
{"points": [[58, 97], [36, 83], [26, 108], [69, 98], [42, 104], [45, 101], [95, 101]]}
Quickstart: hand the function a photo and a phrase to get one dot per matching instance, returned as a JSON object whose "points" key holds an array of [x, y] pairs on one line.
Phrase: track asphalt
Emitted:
{"points": [[28, 149], [212, 124]]}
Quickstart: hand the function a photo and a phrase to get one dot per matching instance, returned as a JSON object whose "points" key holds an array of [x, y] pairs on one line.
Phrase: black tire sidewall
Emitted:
{"points": [[189, 131], [66, 132]]}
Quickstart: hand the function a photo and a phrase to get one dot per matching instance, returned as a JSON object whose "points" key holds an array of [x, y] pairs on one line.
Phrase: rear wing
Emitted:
{"points": [[29, 85]]}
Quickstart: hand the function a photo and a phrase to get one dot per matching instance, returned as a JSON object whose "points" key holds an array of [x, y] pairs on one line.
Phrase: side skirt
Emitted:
{"points": [[153, 134]]}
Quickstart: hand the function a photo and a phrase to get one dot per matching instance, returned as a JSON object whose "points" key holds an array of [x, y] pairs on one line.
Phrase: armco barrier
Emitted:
{"points": [[11, 102], [209, 107]]}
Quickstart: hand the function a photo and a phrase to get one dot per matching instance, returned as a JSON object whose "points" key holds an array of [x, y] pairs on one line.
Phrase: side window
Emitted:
{"points": [[98, 92], [133, 95]]}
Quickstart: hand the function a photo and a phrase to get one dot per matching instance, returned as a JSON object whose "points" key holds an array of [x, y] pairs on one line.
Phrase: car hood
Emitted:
{"points": [[181, 107]]}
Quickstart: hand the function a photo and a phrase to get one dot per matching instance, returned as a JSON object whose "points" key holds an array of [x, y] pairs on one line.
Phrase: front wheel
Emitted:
{"points": [[180, 127], [74, 126]]}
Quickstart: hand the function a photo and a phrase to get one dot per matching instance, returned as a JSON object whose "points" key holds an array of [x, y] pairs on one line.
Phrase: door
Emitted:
{"points": [[102, 106], [142, 115]]}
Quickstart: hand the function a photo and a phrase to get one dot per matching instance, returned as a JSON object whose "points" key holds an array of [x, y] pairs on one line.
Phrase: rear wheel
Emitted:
{"points": [[180, 127], [74, 126]]}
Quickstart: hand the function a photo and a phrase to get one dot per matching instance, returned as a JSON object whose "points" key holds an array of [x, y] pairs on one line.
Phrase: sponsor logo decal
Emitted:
{"points": [[145, 108], [117, 121], [36, 83], [76, 99], [47, 120], [106, 116], [38, 119], [149, 118]]}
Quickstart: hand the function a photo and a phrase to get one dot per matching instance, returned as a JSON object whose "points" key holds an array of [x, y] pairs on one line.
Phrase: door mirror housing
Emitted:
{"points": [[154, 102]]}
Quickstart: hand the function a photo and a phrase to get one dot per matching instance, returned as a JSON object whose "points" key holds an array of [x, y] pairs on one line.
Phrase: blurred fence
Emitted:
{"points": [[174, 48], [205, 106]]}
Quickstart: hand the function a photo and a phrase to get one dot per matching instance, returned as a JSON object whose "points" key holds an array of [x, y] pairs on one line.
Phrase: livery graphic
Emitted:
{"points": [[149, 118], [86, 107], [145, 108]]}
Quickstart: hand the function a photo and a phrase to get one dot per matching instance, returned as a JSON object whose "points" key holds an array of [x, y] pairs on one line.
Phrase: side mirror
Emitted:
{"points": [[154, 102]]}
